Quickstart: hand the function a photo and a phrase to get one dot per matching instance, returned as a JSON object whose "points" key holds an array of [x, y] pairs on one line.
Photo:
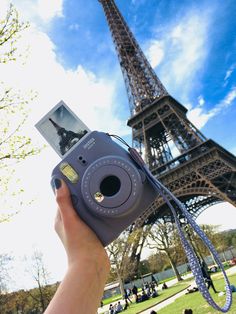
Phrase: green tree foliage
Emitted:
{"points": [[158, 262], [14, 145], [10, 31], [24, 302], [230, 238]]}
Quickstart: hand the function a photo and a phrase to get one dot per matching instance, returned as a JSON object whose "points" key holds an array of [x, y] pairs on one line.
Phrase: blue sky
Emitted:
{"points": [[190, 44]]}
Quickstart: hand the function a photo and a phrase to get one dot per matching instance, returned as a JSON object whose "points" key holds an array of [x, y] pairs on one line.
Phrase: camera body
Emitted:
{"points": [[108, 189]]}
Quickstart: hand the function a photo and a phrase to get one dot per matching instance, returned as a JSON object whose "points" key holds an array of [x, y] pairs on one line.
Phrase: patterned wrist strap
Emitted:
{"points": [[192, 258]]}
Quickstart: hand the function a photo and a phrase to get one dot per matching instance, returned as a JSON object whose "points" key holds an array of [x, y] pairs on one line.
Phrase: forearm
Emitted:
{"points": [[81, 290]]}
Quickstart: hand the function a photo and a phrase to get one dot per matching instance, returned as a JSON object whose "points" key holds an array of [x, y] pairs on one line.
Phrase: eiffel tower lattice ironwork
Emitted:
{"points": [[196, 169]]}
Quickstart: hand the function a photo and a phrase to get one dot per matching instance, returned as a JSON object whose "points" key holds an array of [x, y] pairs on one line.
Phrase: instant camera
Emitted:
{"points": [[108, 188]]}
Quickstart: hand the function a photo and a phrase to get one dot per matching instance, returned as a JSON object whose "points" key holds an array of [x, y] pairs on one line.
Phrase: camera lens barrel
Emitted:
{"points": [[111, 186]]}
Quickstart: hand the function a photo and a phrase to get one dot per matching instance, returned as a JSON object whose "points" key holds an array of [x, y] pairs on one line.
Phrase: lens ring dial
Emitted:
{"points": [[128, 194]]}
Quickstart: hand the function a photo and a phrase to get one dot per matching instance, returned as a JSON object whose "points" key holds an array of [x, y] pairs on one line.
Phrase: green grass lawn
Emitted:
{"points": [[112, 299], [197, 303], [138, 307]]}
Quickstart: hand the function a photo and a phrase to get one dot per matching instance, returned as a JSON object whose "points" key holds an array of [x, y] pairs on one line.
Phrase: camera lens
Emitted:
{"points": [[110, 186]]}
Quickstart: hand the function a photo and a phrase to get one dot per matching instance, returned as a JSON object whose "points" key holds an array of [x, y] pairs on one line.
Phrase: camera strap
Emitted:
{"points": [[191, 255]]}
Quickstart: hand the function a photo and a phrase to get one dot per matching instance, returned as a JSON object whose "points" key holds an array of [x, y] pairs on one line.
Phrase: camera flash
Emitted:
{"points": [[69, 172]]}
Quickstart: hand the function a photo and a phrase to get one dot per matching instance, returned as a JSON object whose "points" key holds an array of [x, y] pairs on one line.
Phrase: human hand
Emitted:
{"points": [[82, 287], [80, 242]]}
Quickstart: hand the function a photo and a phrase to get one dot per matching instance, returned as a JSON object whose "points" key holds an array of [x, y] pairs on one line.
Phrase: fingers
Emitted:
{"points": [[63, 199]]}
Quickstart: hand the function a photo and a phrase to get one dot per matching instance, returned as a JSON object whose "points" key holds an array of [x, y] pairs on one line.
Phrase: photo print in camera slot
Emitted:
{"points": [[62, 129]]}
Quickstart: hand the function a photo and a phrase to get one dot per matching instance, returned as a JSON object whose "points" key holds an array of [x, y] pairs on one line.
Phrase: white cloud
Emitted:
{"points": [[49, 9], [229, 72], [179, 50], [187, 51], [89, 96], [201, 100], [39, 11], [226, 102], [199, 117], [155, 53]]}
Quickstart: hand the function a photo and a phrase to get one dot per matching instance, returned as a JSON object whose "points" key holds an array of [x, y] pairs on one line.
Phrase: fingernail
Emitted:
{"points": [[57, 183]]}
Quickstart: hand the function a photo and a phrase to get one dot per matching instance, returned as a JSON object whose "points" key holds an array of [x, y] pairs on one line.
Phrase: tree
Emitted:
{"points": [[163, 237], [43, 294], [199, 246], [137, 240], [118, 252], [14, 146], [4, 279], [157, 262]]}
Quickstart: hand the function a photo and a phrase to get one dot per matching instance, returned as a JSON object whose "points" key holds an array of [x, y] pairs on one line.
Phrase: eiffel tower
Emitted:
{"points": [[195, 169]]}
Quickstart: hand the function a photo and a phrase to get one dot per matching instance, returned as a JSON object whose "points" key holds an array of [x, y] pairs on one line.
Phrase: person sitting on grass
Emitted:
{"points": [[139, 298], [119, 308], [135, 292], [154, 294], [164, 286], [207, 277], [188, 311], [111, 309], [191, 290], [144, 296]]}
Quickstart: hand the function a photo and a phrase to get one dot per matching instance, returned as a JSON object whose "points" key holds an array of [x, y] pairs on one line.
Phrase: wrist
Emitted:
{"points": [[89, 266]]}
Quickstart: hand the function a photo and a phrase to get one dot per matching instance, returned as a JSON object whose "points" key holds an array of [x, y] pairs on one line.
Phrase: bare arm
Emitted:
{"points": [[88, 265]]}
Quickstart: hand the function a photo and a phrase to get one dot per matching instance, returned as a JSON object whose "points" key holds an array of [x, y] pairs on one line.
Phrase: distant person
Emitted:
{"points": [[207, 277], [144, 296], [126, 304], [191, 290], [135, 292], [153, 279], [152, 285], [164, 286], [188, 311], [139, 298], [119, 308], [146, 285], [126, 296], [154, 293], [233, 288], [153, 312], [111, 309]]}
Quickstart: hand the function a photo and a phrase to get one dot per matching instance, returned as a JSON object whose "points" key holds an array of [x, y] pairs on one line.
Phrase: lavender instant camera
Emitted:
{"points": [[108, 189]]}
